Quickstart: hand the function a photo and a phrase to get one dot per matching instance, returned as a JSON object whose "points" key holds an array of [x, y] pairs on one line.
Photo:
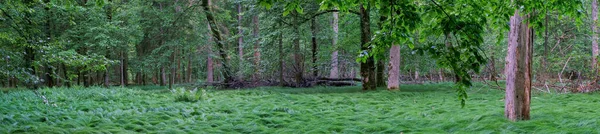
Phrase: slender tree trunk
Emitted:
{"points": [[219, 41], [189, 69], [256, 49], [209, 60], [595, 35], [379, 74], [441, 74], [394, 69], [281, 57], [545, 55], [173, 69], [122, 70], [163, 76], [518, 74], [334, 72], [313, 28], [106, 78], [367, 68], [298, 58], [240, 42], [177, 73]]}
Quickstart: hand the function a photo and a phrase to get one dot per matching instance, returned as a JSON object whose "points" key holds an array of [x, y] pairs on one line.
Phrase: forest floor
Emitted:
{"points": [[429, 108]]}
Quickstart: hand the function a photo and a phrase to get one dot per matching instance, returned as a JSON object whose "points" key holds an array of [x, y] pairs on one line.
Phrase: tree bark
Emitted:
{"points": [[281, 57], [209, 60], [256, 48], [313, 29], [188, 77], [173, 69], [163, 76], [393, 82], [298, 58], [379, 74], [334, 72], [595, 35], [122, 70], [240, 41], [518, 74], [219, 42], [367, 68]]}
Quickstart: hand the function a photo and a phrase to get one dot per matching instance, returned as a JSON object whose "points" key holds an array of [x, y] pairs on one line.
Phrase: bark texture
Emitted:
{"points": [[209, 60], [367, 68], [227, 76], [518, 74], [334, 72], [240, 41], [256, 75], [595, 35], [393, 82]]}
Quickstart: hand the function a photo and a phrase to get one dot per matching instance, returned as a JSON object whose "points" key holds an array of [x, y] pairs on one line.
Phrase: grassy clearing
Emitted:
{"points": [[429, 108]]}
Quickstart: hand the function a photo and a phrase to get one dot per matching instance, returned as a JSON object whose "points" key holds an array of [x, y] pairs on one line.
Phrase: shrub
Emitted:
{"points": [[182, 94]]}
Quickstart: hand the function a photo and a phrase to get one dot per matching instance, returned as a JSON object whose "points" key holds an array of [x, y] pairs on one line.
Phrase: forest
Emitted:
{"points": [[299, 66]]}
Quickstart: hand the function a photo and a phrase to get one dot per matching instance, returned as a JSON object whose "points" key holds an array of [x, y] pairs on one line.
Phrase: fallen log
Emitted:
{"points": [[339, 79]]}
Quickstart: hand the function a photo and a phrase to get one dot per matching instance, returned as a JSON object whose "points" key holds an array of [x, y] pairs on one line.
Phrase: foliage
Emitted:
{"points": [[182, 94], [417, 109]]}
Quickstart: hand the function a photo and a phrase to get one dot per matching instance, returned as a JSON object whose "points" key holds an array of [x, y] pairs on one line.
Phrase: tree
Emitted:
{"points": [[228, 77], [595, 35], [393, 82], [333, 73], [518, 69]]}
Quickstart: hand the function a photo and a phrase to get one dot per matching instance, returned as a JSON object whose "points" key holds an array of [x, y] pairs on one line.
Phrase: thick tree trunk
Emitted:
{"points": [[334, 72], [256, 75], [595, 35], [313, 29], [393, 82], [219, 41], [240, 42], [518, 74], [367, 68]]}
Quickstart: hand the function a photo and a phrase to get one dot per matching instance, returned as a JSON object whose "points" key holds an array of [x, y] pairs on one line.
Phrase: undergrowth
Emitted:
{"points": [[431, 108]]}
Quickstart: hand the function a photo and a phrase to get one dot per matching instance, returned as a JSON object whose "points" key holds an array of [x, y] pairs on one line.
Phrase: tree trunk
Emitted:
{"points": [[163, 76], [393, 82], [281, 57], [106, 78], [379, 74], [313, 29], [518, 64], [188, 77], [256, 48], [298, 58], [219, 41], [367, 68], [173, 75], [334, 72], [595, 35], [209, 60], [122, 70], [240, 42]]}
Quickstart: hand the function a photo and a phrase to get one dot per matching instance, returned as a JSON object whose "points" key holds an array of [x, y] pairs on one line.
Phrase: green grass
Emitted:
{"points": [[431, 108]]}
